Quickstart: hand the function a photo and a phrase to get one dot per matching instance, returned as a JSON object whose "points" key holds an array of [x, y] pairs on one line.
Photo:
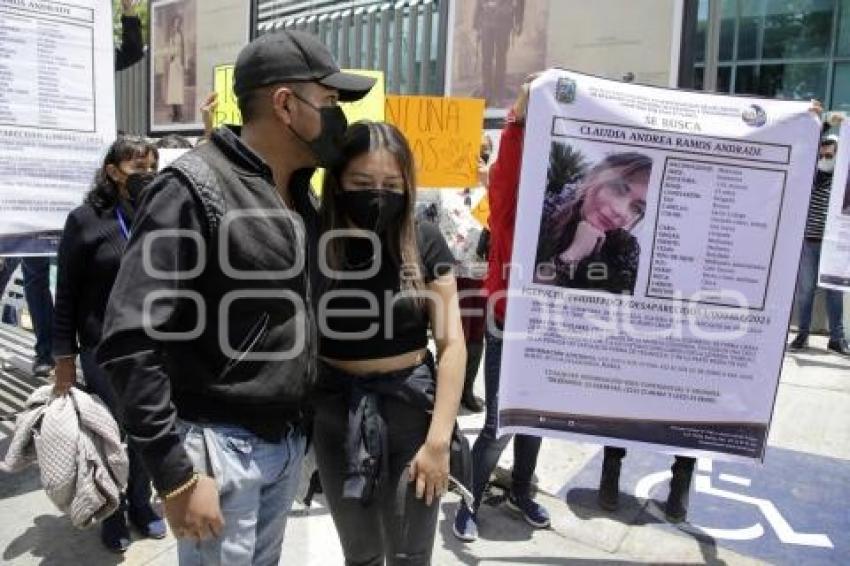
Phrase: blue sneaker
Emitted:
{"points": [[534, 514], [465, 526], [148, 522]]}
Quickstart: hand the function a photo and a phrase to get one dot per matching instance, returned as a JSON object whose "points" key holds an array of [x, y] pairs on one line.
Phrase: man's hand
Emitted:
{"points": [[66, 375], [128, 7], [195, 514]]}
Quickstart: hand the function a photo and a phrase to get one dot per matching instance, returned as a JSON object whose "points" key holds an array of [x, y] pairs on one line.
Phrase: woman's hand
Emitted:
{"points": [[208, 109], [66, 375], [128, 7], [520, 106], [430, 470], [584, 243]]}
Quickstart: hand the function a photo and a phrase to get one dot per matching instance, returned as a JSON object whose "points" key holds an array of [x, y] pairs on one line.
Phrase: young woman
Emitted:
{"points": [[584, 239], [385, 410], [89, 256]]}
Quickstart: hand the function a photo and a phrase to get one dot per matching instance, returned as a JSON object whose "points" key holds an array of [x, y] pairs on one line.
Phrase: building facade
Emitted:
{"points": [[796, 49]]}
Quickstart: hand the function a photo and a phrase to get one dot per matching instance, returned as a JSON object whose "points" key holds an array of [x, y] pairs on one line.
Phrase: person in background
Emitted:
{"points": [[810, 259], [132, 47], [173, 141], [676, 507], [463, 232], [217, 404], [90, 253], [503, 188], [382, 397]]}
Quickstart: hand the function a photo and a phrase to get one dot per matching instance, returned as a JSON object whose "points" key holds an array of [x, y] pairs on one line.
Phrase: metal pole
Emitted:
{"points": [[712, 45]]}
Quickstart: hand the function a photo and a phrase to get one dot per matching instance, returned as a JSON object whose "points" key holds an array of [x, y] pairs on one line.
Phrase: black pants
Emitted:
{"points": [[138, 494], [396, 525], [682, 464]]}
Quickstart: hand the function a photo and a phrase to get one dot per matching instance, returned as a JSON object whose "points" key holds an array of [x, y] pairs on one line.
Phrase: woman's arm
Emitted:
{"points": [[430, 466], [70, 266], [451, 357]]}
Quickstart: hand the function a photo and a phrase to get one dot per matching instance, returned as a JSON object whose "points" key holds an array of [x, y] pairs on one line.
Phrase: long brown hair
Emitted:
{"points": [[400, 238], [561, 225]]}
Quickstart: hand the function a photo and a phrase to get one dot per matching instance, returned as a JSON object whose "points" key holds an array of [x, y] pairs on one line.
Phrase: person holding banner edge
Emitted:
{"points": [[810, 258], [503, 187]]}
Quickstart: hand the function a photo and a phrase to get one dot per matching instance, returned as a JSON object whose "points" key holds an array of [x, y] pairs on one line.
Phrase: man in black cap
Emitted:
{"points": [[209, 335]]}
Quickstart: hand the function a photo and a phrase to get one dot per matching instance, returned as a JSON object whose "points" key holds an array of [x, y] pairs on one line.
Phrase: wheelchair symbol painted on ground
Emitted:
{"points": [[702, 484]]}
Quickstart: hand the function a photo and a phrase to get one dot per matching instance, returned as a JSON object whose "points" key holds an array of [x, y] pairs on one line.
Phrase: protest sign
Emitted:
{"points": [[834, 269], [654, 264], [444, 134], [227, 109], [57, 115]]}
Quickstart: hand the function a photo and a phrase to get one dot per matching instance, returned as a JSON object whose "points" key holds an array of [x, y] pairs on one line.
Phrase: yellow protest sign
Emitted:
{"points": [[370, 107], [444, 134], [227, 111], [481, 211]]}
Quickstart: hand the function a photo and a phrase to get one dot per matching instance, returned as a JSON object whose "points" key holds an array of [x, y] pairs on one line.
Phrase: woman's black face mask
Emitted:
{"points": [[373, 209], [136, 183]]}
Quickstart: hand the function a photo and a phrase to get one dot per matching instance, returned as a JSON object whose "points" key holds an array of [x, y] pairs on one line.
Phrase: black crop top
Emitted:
{"points": [[352, 313]]}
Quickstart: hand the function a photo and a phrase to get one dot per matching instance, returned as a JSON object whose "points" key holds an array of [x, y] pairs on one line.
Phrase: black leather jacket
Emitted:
{"points": [[214, 323]]}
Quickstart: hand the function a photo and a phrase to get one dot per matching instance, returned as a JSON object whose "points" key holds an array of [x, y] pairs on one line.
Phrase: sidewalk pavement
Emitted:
{"points": [[791, 510]]}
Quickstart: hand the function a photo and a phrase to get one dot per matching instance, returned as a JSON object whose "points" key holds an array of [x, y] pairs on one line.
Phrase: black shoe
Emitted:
{"points": [[676, 509], [114, 533], [472, 403], [609, 484], [839, 347], [801, 342], [42, 369]]}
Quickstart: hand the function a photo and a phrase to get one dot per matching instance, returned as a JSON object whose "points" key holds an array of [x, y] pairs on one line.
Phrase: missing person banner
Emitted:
{"points": [[834, 269], [57, 115], [654, 263]]}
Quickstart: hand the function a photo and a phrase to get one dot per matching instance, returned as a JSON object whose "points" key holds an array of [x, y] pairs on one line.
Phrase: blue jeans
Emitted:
{"points": [[256, 480], [36, 271], [138, 494], [488, 448], [806, 286]]}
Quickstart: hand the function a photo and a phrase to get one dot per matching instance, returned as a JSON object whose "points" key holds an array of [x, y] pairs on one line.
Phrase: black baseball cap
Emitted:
{"points": [[293, 56]]}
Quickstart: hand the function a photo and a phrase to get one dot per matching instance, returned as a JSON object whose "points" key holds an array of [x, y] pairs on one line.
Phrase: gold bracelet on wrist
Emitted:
{"points": [[189, 484]]}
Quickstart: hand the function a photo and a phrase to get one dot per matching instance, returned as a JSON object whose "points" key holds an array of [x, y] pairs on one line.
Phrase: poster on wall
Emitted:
{"points": [[57, 115], [496, 44], [188, 39], [655, 259], [834, 268]]}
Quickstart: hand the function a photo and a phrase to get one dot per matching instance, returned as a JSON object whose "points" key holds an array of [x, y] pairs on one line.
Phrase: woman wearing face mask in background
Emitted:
{"points": [[385, 415], [89, 256]]}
